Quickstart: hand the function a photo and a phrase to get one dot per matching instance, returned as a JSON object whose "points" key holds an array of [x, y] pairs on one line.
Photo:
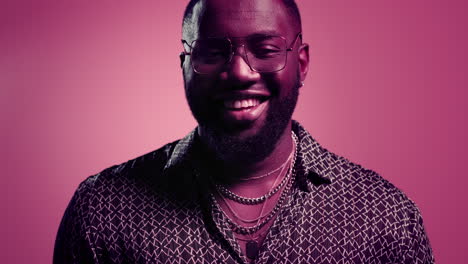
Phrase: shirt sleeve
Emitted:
{"points": [[73, 243], [416, 247]]}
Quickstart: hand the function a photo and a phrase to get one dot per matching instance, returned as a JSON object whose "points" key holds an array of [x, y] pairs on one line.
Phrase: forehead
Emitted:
{"points": [[242, 18]]}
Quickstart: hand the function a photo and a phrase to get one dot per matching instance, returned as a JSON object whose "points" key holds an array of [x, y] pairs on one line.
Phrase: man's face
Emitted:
{"points": [[242, 113]]}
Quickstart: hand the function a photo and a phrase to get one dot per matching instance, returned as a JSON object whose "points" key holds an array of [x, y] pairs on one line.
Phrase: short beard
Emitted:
{"points": [[230, 150]]}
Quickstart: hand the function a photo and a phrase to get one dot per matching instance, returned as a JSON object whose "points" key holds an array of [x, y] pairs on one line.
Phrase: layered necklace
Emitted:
{"points": [[252, 245]]}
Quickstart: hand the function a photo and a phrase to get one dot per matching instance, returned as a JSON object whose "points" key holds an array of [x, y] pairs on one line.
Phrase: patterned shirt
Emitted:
{"points": [[157, 209]]}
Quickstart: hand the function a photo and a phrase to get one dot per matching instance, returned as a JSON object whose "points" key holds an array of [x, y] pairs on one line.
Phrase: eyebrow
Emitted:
{"points": [[272, 32], [262, 33]]}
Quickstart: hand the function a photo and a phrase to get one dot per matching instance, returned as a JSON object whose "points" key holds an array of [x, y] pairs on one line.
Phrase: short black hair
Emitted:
{"points": [[289, 4]]}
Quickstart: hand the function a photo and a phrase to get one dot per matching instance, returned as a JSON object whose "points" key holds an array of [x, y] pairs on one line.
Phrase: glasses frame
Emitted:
{"points": [[246, 59]]}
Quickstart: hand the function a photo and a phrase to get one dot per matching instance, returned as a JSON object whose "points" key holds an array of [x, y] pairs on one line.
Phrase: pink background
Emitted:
{"points": [[88, 84]]}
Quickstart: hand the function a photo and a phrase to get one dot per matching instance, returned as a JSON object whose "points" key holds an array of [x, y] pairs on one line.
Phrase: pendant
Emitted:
{"points": [[252, 249]]}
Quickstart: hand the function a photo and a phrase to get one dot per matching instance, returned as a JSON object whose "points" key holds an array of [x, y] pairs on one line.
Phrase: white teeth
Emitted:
{"points": [[239, 104]]}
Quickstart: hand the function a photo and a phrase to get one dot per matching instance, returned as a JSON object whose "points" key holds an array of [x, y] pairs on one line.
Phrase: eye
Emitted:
{"points": [[266, 47], [213, 53], [265, 51], [211, 50], [209, 55]]}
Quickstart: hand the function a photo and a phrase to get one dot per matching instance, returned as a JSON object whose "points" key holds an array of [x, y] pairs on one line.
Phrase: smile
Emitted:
{"points": [[243, 110], [241, 104]]}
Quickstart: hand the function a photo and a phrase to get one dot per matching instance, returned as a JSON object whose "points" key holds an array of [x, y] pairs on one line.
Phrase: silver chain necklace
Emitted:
{"points": [[252, 229], [257, 200], [255, 220]]}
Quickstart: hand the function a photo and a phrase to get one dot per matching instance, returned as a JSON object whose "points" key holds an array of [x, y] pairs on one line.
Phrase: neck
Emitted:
{"points": [[279, 155], [233, 173]]}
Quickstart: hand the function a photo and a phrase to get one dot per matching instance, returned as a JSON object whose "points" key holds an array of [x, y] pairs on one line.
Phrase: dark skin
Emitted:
{"points": [[219, 18]]}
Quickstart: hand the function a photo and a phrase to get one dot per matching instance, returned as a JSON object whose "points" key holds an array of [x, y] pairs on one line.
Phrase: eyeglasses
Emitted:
{"points": [[262, 53]]}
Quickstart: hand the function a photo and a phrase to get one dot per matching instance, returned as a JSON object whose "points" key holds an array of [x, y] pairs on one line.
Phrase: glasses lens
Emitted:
{"points": [[266, 53], [263, 54], [209, 55]]}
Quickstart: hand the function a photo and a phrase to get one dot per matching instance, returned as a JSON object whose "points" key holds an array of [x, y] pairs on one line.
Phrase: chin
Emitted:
{"points": [[236, 142], [249, 143], [244, 131]]}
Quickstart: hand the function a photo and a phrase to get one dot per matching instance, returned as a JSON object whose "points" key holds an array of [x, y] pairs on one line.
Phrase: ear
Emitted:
{"points": [[182, 59], [303, 53]]}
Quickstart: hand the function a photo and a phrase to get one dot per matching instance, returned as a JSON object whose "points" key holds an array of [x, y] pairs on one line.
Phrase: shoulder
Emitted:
{"points": [[359, 199], [374, 202], [147, 167], [387, 212], [101, 200], [345, 179], [369, 187]]}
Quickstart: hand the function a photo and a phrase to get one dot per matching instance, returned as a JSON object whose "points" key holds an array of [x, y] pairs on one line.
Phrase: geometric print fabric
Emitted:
{"points": [[157, 209]]}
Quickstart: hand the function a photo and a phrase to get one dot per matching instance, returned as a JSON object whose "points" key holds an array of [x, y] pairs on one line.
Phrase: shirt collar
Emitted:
{"points": [[313, 160], [181, 152], [312, 165]]}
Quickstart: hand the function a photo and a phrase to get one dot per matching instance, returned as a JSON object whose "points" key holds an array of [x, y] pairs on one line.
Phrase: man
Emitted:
{"points": [[248, 184]]}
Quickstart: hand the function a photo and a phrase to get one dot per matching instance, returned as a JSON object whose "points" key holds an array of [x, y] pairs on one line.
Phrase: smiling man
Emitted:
{"points": [[248, 184]]}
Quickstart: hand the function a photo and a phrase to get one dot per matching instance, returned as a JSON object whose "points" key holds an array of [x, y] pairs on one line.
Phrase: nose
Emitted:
{"points": [[238, 70]]}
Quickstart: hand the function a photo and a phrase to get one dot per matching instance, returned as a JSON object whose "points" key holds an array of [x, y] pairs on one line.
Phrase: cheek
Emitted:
{"points": [[282, 83], [199, 86], [291, 77]]}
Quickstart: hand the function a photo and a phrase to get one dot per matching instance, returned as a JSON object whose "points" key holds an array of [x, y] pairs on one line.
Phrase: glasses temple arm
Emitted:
{"points": [[184, 42]]}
